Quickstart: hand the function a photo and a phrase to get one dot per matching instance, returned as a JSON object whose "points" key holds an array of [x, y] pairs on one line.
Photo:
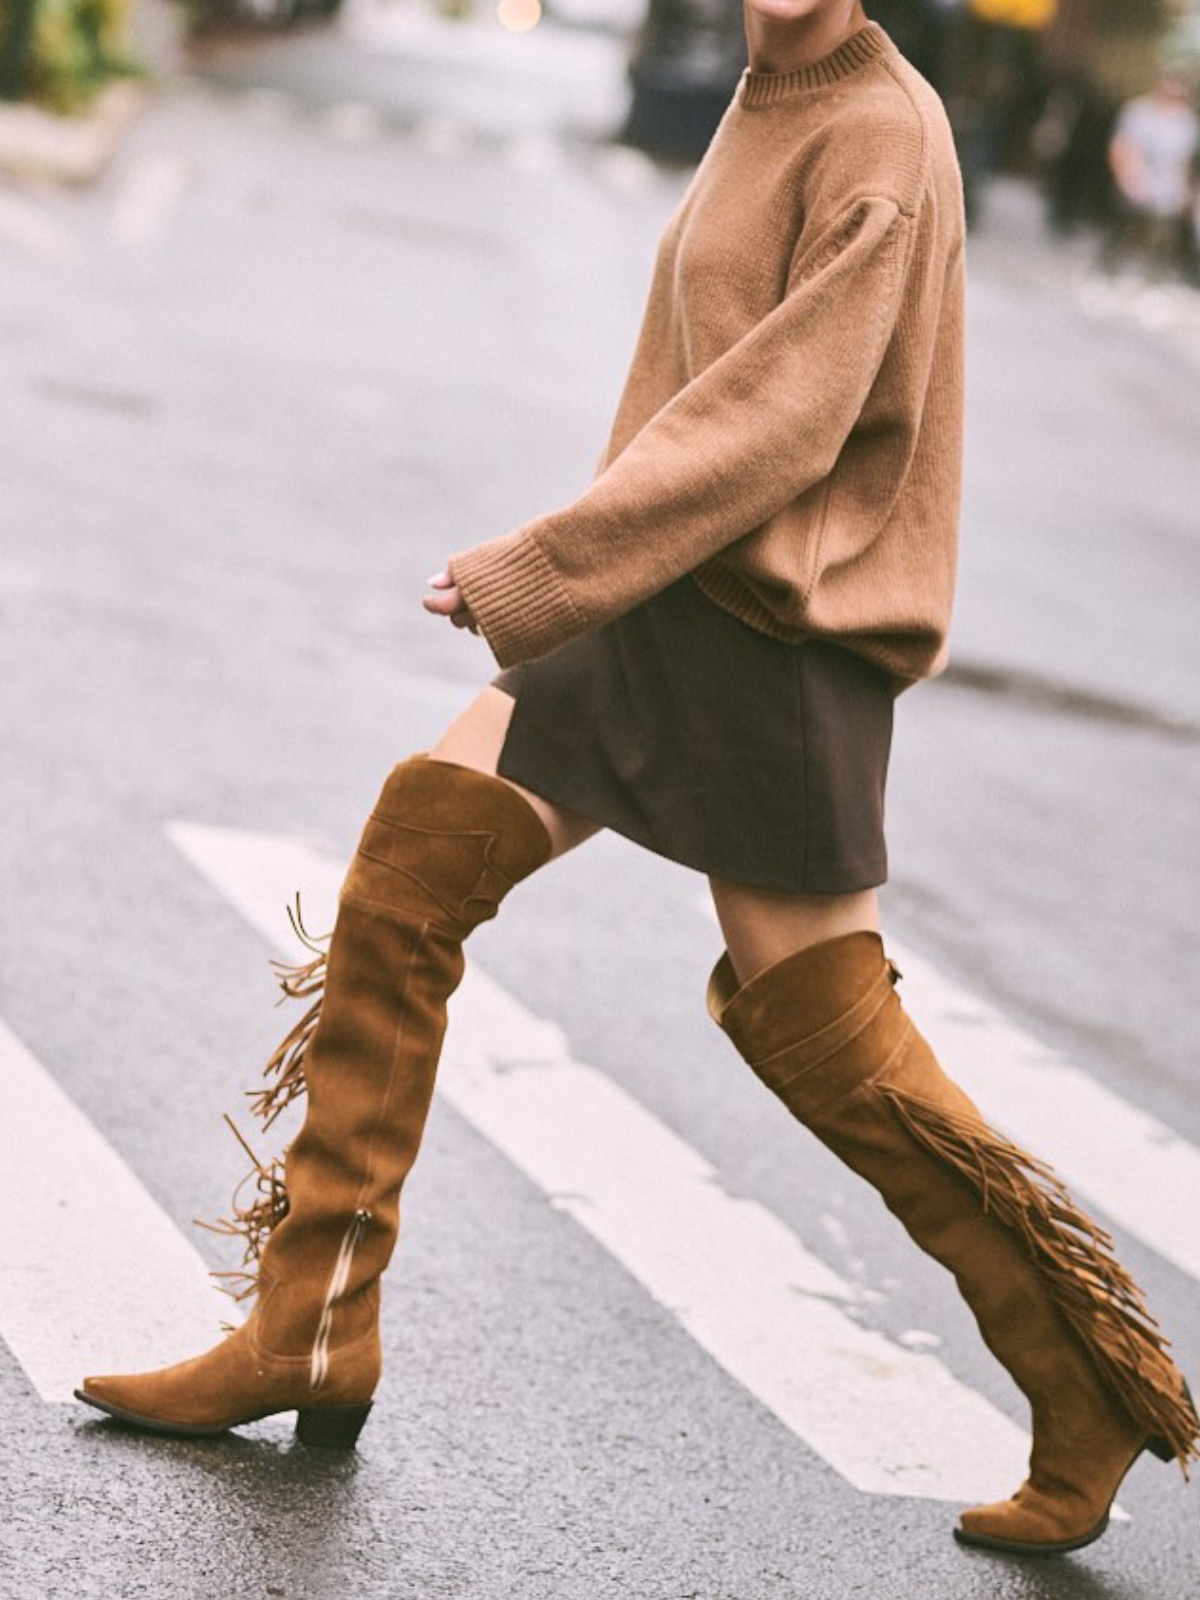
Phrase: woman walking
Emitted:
{"points": [[702, 654]]}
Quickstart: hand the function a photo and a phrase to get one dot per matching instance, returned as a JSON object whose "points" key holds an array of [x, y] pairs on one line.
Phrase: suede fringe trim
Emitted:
{"points": [[252, 1220], [286, 1066], [1093, 1292]]}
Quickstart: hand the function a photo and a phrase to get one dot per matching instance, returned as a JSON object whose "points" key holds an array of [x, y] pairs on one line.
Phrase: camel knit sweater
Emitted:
{"points": [[790, 431]]}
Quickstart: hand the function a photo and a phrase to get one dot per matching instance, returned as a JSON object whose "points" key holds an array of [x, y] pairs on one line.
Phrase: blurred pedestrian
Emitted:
{"points": [[1153, 154], [701, 653], [1071, 143]]}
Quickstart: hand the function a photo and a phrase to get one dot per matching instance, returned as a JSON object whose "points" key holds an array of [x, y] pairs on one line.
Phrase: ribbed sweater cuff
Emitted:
{"points": [[516, 598]]}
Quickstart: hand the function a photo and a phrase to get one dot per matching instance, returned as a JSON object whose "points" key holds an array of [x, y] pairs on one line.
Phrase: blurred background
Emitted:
{"points": [[298, 297], [1033, 86]]}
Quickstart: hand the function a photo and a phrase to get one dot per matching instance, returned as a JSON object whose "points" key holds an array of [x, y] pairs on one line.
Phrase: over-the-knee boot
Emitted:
{"points": [[826, 1032], [441, 849]]}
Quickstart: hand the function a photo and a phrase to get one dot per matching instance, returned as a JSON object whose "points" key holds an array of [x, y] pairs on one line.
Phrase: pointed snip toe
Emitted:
{"points": [[95, 1397]]}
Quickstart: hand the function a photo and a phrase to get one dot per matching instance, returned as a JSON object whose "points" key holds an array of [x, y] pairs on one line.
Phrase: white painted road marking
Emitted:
{"points": [[1142, 1174], [889, 1420], [33, 229], [94, 1276], [149, 196], [354, 122]]}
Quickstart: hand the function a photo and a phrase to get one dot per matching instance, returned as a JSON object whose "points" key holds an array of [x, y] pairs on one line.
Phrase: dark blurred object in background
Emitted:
{"points": [[687, 59], [1035, 86], [985, 58], [16, 35], [215, 14], [62, 54]]}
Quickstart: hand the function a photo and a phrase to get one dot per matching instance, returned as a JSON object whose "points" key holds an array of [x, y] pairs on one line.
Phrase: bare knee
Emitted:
{"points": [[476, 738], [761, 927]]}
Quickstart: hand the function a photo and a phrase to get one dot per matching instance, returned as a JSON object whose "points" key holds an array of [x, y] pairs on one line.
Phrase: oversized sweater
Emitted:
{"points": [[790, 431]]}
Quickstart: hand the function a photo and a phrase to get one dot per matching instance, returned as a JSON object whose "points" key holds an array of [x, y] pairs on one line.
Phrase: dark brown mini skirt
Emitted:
{"points": [[711, 744]]}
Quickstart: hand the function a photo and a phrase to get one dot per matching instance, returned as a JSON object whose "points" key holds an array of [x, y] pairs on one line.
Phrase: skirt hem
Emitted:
{"points": [[844, 877]]}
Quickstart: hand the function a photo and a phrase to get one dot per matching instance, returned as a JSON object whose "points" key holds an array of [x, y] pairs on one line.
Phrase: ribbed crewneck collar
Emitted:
{"points": [[861, 48]]}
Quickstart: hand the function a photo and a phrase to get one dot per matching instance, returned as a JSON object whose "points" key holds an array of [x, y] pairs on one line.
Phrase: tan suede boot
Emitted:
{"points": [[441, 849], [825, 1030]]}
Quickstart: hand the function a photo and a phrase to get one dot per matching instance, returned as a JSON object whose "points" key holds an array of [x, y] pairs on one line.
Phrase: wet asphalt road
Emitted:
{"points": [[253, 387]]}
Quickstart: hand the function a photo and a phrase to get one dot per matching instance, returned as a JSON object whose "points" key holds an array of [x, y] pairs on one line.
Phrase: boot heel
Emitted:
{"points": [[331, 1427]]}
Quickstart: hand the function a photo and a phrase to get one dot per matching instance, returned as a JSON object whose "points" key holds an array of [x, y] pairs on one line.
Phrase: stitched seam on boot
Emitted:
{"points": [[487, 835], [502, 884], [902, 1044], [490, 836], [411, 877], [401, 918], [832, 1029], [865, 1085]]}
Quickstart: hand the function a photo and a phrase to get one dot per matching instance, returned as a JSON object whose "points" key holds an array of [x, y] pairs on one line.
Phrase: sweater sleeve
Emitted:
{"points": [[748, 435]]}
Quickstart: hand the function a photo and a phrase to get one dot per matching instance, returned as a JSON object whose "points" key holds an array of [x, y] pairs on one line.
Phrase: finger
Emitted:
{"points": [[446, 600], [440, 580]]}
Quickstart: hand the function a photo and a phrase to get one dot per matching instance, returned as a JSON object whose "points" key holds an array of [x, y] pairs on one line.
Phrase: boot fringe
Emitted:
{"points": [[286, 1065], [251, 1221], [1097, 1297]]}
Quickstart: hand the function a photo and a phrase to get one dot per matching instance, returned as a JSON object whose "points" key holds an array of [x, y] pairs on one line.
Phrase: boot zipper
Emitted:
{"points": [[337, 1288]]}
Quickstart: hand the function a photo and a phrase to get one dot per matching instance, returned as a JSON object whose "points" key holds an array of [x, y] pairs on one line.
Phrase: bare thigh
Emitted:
{"points": [[476, 739], [761, 927]]}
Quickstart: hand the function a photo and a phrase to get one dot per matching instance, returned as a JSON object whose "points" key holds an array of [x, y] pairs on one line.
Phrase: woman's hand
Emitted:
{"points": [[446, 601]]}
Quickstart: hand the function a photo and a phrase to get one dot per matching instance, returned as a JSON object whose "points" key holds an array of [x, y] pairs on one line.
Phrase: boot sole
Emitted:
{"points": [[320, 1427], [1018, 1547]]}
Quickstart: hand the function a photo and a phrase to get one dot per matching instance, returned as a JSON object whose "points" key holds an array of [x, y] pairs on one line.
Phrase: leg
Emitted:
{"points": [[760, 927], [445, 842], [824, 1029], [476, 738]]}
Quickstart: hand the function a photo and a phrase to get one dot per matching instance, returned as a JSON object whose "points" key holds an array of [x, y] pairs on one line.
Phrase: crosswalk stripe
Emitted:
{"points": [[33, 229], [96, 1277], [149, 195], [772, 1314]]}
